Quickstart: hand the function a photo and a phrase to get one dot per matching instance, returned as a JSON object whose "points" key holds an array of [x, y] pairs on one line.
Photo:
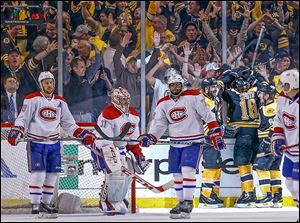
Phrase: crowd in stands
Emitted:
{"points": [[102, 47]]}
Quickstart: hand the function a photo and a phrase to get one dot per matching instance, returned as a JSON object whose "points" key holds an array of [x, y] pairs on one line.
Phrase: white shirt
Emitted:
{"points": [[15, 101], [160, 90]]}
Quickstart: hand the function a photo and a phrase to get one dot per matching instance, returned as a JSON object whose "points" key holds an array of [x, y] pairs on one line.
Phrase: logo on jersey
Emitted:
{"points": [[47, 113], [131, 130], [178, 114], [289, 121]]}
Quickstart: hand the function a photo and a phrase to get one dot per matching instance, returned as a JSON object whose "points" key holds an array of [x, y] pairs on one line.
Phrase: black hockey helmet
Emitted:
{"points": [[241, 85], [266, 88], [208, 82]]}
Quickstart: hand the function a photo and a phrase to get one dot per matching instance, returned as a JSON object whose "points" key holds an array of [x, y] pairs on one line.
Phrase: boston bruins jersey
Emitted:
{"points": [[215, 106], [242, 109], [266, 115]]}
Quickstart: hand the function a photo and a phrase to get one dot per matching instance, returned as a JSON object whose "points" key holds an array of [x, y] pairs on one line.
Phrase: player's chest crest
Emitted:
{"points": [[47, 113], [289, 121], [131, 130], [178, 114]]}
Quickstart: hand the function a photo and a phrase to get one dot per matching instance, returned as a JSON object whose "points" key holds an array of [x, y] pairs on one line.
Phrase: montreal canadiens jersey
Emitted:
{"points": [[287, 121], [182, 117], [42, 118], [112, 122]]}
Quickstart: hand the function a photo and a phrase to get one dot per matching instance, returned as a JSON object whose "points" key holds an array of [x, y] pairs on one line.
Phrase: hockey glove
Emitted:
{"points": [[140, 164], [277, 143], [265, 146], [15, 133], [215, 134], [88, 137], [147, 139]]}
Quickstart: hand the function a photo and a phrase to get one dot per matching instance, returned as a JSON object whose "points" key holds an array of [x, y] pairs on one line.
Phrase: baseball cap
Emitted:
{"points": [[211, 66], [14, 49], [81, 29]]}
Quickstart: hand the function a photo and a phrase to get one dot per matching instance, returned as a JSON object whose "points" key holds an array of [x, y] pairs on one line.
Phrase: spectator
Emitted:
{"points": [[81, 100], [91, 56], [106, 20], [102, 87], [11, 100], [43, 58], [82, 33], [8, 39], [128, 75], [13, 67]]}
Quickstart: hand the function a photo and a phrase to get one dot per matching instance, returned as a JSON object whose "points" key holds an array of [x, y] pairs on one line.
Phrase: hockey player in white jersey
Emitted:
{"points": [[183, 113], [42, 115], [112, 121], [285, 139]]}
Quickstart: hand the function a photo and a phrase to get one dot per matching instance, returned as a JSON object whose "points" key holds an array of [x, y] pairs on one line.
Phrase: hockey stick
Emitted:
{"points": [[117, 139], [257, 45], [283, 148], [122, 134], [155, 189]]}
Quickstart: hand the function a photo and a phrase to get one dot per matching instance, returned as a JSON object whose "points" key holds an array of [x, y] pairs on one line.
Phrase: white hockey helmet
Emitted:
{"points": [[46, 75], [120, 98], [177, 78], [290, 77], [171, 72]]}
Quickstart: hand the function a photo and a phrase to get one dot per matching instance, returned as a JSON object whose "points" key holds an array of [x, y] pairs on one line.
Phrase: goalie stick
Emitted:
{"points": [[155, 189], [122, 134]]}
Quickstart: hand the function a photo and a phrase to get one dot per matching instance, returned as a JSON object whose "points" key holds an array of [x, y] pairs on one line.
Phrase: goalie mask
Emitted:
{"points": [[120, 98], [266, 93], [290, 78], [176, 84], [43, 76], [209, 87]]}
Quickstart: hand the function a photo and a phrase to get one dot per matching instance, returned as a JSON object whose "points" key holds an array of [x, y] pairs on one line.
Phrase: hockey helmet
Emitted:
{"points": [[209, 87], [171, 72], [241, 85], [266, 92], [46, 75], [120, 98], [290, 77], [177, 78]]}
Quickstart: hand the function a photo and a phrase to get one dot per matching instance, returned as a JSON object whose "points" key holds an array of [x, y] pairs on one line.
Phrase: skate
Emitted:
{"points": [[207, 202], [219, 200], [35, 209], [186, 209], [175, 213], [265, 202], [277, 199], [45, 211], [246, 200]]}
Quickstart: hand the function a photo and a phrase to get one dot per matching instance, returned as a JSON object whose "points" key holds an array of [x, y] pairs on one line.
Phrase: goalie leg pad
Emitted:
{"points": [[110, 159]]}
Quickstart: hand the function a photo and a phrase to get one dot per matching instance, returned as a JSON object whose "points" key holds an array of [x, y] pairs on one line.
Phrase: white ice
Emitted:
{"points": [[161, 215]]}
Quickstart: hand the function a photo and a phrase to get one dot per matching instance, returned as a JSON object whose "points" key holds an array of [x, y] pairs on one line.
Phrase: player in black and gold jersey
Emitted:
{"points": [[267, 167], [210, 188], [242, 100]]}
